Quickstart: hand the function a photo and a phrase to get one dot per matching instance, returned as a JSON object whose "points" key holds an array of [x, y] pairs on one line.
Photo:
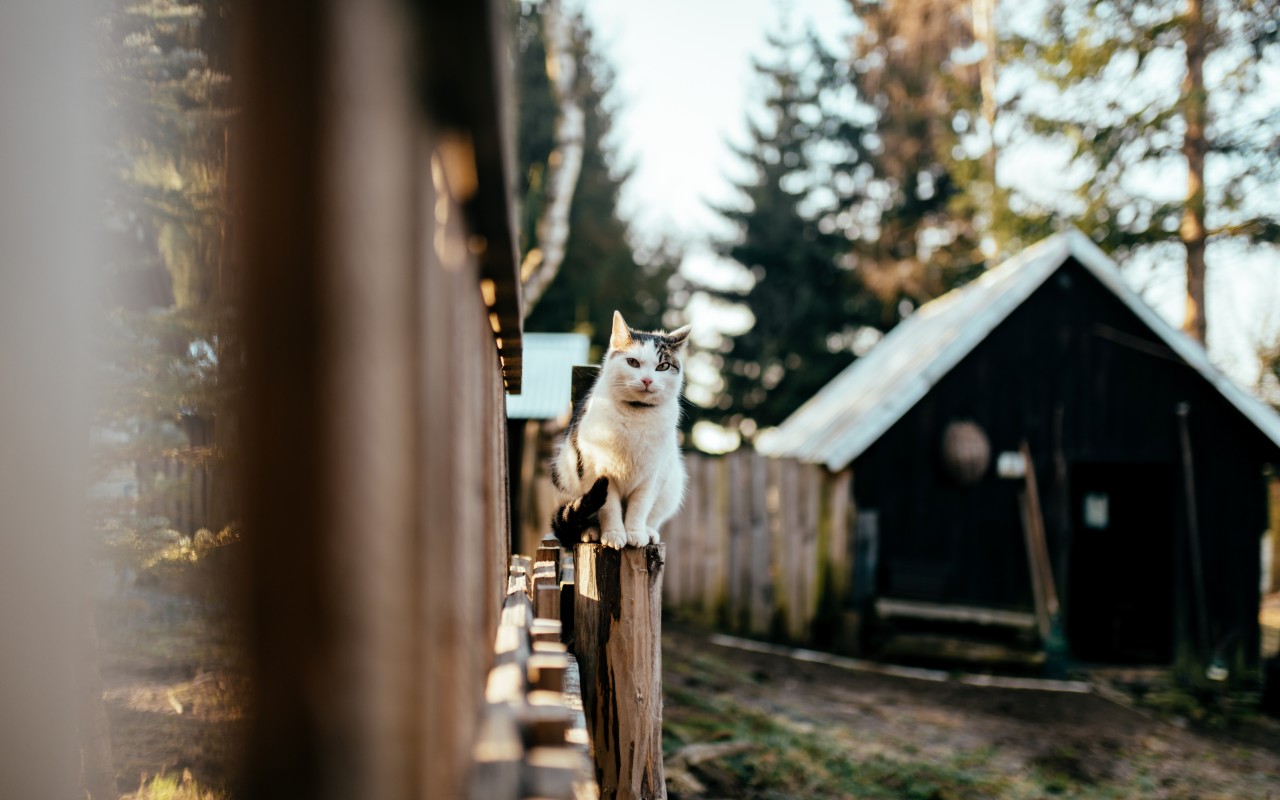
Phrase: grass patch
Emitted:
{"points": [[169, 787], [791, 759]]}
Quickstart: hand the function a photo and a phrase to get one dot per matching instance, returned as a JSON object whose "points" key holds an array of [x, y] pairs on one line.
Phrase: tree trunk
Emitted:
{"points": [[1194, 147], [984, 31], [542, 263]]}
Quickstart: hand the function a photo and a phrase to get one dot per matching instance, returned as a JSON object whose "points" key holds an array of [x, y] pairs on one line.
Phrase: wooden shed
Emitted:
{"points": [[1150, 464]]}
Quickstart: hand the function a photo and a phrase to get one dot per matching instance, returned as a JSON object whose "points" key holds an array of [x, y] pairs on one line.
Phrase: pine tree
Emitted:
{"points": [[805, 302], [1160, 104], [602, 270], [925, 72], [168, 345]]}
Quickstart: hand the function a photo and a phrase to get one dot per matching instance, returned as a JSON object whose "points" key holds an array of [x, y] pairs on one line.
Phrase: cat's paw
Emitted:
{"points": [[591, 534], [637, 537], [616, 538], [654, 536]]}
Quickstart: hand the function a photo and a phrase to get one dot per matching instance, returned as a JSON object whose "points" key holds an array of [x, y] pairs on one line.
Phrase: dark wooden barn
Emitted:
{"points": [[1148, 465]]}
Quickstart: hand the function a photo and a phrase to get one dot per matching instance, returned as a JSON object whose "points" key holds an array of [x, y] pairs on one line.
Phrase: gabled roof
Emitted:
{"points": [[859, 405], [549, 359]]}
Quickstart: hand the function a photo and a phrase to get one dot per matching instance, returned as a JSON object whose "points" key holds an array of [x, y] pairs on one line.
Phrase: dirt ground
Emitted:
{"points": [[749, 725], [175, 684], [738, 724]]}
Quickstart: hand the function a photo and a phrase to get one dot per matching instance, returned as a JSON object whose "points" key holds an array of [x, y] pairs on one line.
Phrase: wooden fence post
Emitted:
{"points": [[618, 643]]}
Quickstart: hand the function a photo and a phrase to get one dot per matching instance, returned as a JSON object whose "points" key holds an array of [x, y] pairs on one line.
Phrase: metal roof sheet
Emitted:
{"points": [[549, 359], [859, 405]]}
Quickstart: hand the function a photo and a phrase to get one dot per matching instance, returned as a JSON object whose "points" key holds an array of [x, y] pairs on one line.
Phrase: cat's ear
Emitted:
{"points": [[680, 336], [621, 338]]}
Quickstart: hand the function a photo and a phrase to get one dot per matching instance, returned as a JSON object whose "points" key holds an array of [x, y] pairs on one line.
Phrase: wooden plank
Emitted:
{"points": [[547, 601], [811, 479], [712, 537], [687, 576], [738, 498], [793, 549], [839, 556], [549, 551], [544, 719], [497, 756], [893, 608], [673, 538], [722, 503], [618, 645], [567, 586], [546, 671], [762, 559], [545, 630], [692, 564], [934, 646], [554, 773], [777, 558]]}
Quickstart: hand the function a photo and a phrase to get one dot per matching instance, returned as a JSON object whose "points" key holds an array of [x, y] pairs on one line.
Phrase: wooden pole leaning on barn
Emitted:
{"points": [[617, 634], [1048, 611]]}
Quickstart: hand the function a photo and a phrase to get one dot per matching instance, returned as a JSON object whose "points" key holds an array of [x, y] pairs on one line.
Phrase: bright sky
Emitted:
{"points": [[685, 84]]}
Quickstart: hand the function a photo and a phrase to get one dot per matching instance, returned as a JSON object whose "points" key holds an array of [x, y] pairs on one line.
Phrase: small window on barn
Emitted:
{"points": [[1097, 511]]}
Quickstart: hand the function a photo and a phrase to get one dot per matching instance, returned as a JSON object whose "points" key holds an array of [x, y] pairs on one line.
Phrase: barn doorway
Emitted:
{"points": [[1120, 601]]}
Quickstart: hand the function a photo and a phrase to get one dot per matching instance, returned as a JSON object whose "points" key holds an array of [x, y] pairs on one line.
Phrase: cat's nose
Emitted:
{"points": [[646, 382]]}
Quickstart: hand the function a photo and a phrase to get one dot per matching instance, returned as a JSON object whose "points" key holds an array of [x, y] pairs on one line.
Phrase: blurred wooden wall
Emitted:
{"points": [[382, 321], [47, 266]]}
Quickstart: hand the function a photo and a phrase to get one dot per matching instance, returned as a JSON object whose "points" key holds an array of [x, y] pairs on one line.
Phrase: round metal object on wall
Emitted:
{"points": [[966, 452]]}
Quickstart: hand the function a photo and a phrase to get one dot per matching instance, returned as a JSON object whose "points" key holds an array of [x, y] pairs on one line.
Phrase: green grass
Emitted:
{"points": [[791, 759], [168, 787]]}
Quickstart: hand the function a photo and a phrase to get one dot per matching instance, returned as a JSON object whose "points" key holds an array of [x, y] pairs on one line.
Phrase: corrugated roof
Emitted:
{"points": [[860, 404], [549, 359]]}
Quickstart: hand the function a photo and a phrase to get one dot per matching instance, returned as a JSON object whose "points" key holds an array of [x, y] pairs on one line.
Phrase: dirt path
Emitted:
{"points": [[175, 682], [751, 725]]}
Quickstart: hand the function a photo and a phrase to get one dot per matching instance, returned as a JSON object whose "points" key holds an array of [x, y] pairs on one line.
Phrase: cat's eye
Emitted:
{"points": [[633, 362], [663, 367]]}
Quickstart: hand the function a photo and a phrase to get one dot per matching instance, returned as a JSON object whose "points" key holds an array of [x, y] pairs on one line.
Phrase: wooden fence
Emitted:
{"points": [[763, 547], [182, 492]]}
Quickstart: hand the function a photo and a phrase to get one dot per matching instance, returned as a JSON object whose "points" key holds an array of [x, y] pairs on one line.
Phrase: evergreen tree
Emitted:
{"points": [[168, 345], [1163, 105], [805, 302], [601, 271], [921, 66]]}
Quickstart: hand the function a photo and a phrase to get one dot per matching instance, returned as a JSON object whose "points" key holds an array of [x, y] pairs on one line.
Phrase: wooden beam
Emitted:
{"points": [[890, 608]]}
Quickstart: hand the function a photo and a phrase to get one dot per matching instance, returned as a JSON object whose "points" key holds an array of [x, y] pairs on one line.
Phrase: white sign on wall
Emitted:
{"points": [[1011, 464], [1097, 510]]}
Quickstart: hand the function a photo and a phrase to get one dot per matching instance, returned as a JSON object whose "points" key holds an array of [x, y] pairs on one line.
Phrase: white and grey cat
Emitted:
{"points": [[619, 469]]}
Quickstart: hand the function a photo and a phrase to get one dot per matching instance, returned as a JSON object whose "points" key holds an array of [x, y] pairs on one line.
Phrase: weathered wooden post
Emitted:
{"points": [[617, 634], [618, 644]]}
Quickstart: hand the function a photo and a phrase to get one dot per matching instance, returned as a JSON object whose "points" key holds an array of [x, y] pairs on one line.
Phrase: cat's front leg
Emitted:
{"points": [[638, 507], [612, 532]]}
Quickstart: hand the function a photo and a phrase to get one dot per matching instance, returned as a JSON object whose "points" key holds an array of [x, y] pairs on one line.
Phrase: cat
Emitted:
{"points": [[619, 470]]}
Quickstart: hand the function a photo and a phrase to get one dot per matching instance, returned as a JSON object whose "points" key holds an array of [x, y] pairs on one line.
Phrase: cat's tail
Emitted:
{"points": [[575, 516]]}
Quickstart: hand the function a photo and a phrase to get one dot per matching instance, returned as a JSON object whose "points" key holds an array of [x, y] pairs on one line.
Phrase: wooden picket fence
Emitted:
{"points": [[762, 547], [180, 491]]}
